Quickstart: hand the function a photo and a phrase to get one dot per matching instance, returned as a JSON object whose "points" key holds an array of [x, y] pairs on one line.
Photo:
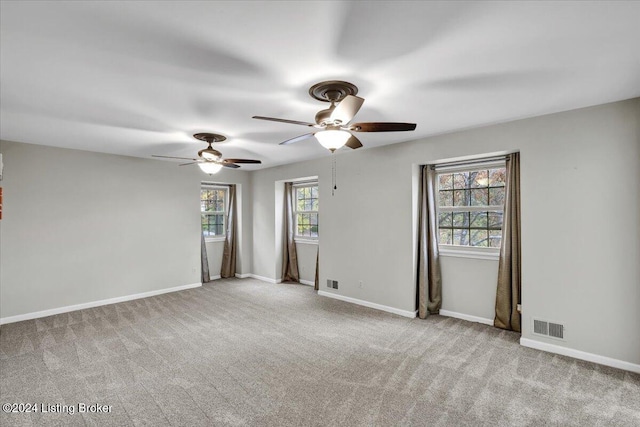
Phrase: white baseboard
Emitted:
{"points": [[468, 317], [582, 355], [405, 313], [215, 277], [60, 310], [265, 279], [243, 276], [307, 282]]}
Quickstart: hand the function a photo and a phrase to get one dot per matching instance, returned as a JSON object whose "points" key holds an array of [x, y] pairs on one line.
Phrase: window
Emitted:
{"points": [[306, 211], [471, 206], [213, 210]]}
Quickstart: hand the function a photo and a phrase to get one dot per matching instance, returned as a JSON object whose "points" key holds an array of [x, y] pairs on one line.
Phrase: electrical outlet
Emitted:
{"points": [[333, 284]]}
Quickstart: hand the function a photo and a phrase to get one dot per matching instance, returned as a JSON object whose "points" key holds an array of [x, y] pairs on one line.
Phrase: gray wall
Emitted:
{"points": [[79, 227], [307, 261], [580, 215]]}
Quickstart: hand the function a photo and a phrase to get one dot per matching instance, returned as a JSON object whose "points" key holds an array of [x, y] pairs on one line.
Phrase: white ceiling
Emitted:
{"points": [[139, 78]]}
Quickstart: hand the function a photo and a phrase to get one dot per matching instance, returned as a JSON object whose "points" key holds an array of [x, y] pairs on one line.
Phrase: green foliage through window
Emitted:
{"points": [[470, 207], [213, 210], [306, 211]]}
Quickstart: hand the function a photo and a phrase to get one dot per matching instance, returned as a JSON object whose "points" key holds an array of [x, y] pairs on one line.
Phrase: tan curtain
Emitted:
{"points": [[509, 275], [204, 261], [289, 255], [429, 296], [316, 284], [228, 268]]}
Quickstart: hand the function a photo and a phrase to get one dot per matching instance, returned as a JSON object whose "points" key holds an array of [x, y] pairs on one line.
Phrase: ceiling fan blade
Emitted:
{"points": [[297, 139], [381, 127], [230, 165], [293, 122], [353, 142], [190, 163], [249, 161], [347, 108], [171, 157]]}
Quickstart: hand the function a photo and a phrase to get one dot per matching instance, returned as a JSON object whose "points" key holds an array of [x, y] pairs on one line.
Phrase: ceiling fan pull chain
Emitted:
{"points": [[334, 170]]}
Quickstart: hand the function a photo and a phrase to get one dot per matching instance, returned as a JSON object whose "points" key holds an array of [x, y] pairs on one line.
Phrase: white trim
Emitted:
{"points": [[265, 279], [468, 317], [243, 275], [307, 282], [471, 165], [404, 313], [66, 309], [214, 239], [215, 277], [306, 241], [463, 252], [582, 355]]}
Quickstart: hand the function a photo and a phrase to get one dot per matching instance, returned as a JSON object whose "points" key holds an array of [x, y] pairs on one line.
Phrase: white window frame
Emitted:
{"points": [[309, 240], [476, 252], [223, 236]]}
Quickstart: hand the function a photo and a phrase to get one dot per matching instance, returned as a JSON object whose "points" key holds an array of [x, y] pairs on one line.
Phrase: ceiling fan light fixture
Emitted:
{"points": [[207, 155], [210, 167], [332, 139]]}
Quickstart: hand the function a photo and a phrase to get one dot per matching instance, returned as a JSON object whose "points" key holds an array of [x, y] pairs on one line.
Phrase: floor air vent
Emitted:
{"points": [[556, 330], [540, 327], [553, 330]]}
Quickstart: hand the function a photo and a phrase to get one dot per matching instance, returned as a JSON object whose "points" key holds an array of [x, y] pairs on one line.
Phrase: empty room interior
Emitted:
{"points": [[370, 213]]}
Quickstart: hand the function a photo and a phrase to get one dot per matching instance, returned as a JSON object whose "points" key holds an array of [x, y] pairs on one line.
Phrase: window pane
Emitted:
{"points": [[314, 219], [446, 198], [461, 219], [308, 205], [460, 180], [495, 238], [314, 231], [479, 238], [480, 179], [300, 230], [445, 219], [219, 230], [495, 220], [314, 206], [496, 196], [478, 220], [306, 230], [479, 197], [461, 236], [461, 197], [299, 193], [314, 192], [446, 237], [497, 177], [446, 181], [300, 205]]}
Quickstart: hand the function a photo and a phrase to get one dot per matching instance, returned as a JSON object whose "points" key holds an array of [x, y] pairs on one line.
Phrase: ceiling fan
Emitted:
{"points": [[210, 160], [334, 121]]}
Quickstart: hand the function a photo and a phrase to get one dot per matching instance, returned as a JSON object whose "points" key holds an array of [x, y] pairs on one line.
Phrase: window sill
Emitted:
{"points": [[214, 239], [306, 241], [474, 253]]}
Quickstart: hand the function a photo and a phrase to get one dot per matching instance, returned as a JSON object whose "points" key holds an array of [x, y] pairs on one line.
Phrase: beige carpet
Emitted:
{"points": [[244, 352]]}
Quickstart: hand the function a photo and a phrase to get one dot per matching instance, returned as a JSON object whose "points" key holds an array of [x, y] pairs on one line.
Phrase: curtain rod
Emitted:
{"points": [[469, 162], [214, 184], [313, 181]]}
